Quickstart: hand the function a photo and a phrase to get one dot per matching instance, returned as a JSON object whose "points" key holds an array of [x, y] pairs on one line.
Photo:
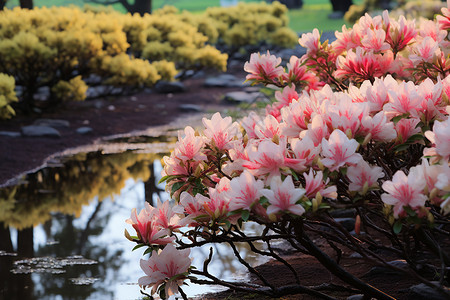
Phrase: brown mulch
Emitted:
{"points": [[107, 116]]}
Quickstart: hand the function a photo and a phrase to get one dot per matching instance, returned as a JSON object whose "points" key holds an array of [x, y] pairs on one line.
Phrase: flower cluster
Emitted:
{"points": [[370, 130]]}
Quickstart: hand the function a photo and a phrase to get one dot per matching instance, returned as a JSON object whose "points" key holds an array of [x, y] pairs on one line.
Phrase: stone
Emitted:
{"points": [[40, 131], [55, 123], [164, 87], [348, 223], [242, 97], [424, 292], [380, 270], [10, 133], [343, 213], [84, 130], [356, 297], [225, 80], [190, 108]]}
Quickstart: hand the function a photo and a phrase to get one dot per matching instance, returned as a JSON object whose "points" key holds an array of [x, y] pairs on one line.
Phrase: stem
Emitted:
{"points": [[334, 268]]}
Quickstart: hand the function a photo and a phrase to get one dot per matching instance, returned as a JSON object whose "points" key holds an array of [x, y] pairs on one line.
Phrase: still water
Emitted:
{"points": [[61, 230]]}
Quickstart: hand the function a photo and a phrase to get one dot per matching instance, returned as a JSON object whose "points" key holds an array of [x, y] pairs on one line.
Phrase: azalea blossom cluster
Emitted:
{"points": [[370, 131]]}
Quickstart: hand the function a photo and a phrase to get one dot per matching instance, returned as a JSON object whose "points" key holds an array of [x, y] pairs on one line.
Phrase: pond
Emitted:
{"points": [[62, 228]]}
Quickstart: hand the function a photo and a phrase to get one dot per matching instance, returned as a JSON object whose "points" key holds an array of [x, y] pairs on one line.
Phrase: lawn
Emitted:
{"points": [[313, 14]]}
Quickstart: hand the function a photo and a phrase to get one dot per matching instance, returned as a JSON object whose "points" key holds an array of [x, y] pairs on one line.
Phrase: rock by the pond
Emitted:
{"points": [[348, 223], [380, 270], [424, 292], [243, 97], [10, 133], [164, 87], [84, 130], [55, 123], [190, 108], [40, 131], [356, 297], [343, 213], [225, 80]]}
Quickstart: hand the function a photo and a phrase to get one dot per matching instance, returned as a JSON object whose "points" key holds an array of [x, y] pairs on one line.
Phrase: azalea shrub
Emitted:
{"points": [[360, 124]]}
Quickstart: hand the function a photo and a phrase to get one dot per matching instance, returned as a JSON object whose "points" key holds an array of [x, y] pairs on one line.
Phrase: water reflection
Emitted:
{"points": [[61, 229]]}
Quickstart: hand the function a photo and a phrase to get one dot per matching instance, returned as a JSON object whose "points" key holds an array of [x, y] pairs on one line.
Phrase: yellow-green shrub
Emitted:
{"points": [[72, 90], [411, 9], [56, 47], [7, 96], [251, 23]]}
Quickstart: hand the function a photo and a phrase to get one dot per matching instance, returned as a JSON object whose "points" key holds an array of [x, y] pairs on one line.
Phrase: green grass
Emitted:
{"points": [[313, 14]]}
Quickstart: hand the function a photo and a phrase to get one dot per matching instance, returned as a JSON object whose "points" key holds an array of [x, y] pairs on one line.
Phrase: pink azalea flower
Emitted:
{"points": [[162, 268], [190, 146], [263, 67], [244, 191], [406, 128], [374, 40], [339, 151], [377, 95], [267, 159], [221, 131], [216, 205], [403, 100], [311, 41], [268, 128], [436, 180], [432, 105], [378, 127], [444, 21], [147, 228], [362, 176], [249, 123], [429, 28], [440, 137], [346, 115], [317, 130], [363, 65], [345, 40], [283, 196], [426, 51], [401, 33], [296, 117], [191, 207], [315, 184], [165, 216], [299, 75], [404, 191], [286, 96], [304, 152], [173, 166]]}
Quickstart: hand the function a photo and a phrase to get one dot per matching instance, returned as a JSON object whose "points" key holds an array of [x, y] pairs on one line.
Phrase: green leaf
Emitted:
{"points": [[401, 147], [138, 246], [398, 118], [397, 227], [177, 185], [263, 200], [168, 178], [245, 215], [414, 138], [294, 174], [148, 250]]}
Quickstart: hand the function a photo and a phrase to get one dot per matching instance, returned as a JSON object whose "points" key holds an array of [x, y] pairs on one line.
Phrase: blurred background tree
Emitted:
{"points": [[139, 6]]}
